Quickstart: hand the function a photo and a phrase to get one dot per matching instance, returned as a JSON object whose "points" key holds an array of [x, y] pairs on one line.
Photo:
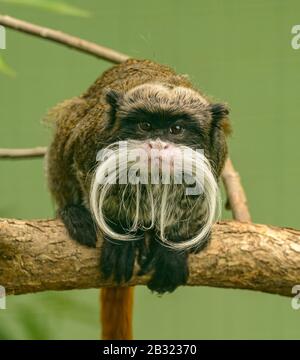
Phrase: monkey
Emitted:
{"points": [[138, 115]]}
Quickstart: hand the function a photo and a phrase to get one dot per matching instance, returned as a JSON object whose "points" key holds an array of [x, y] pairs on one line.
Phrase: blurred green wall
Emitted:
{"points": [[237, 51]]}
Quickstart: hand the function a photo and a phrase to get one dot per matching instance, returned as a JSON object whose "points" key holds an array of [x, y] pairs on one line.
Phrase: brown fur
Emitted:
{"points": [[116, 313]]}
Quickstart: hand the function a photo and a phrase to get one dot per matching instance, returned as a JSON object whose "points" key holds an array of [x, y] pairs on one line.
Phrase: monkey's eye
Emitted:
{"points": [[176, 129], [145, 126]]}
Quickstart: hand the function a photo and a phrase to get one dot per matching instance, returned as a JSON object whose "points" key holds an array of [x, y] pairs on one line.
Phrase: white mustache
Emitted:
{"points": [[161, 198]]}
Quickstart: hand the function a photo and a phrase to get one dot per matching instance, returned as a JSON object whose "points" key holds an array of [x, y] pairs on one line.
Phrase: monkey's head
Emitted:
{"points": [[161, 126], [173, 114]]}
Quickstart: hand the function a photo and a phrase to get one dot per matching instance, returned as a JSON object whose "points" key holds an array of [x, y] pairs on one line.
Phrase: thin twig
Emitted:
{"points": [[22, 153], [235, 193], [64, 39]]}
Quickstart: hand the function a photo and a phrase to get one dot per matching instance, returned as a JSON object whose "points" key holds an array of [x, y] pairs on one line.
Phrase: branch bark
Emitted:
{"points": [[38, 255], [64, 39]]}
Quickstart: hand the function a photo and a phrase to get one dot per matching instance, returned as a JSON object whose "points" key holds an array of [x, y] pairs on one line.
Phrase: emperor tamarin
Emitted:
{"points": [[140, 152]]}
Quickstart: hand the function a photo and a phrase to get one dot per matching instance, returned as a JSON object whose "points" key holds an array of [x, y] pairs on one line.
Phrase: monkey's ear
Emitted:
{"points": [[113, 97], [219, 113]]}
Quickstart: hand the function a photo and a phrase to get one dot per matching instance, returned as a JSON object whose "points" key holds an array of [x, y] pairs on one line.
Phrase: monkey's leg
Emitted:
{"points": [[79, 224]]}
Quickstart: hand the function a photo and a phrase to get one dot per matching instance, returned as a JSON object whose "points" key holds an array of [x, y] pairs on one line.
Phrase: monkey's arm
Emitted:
{"points": [[62, 176]]}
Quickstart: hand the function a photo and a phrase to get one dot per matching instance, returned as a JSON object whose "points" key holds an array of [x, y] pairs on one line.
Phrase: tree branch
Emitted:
{"points": [[22, 153], [64, 39], [235, 193], [38, 255]]}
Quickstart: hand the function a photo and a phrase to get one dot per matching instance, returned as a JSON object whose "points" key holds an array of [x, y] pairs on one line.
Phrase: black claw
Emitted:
{"points": [[79, 224]]}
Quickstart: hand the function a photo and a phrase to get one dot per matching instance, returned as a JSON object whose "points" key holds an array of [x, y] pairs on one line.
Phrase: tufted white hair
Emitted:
{"points": [[149, 205]]}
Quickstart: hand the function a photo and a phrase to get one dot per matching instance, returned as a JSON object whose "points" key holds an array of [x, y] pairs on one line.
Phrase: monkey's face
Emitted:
{"points": [[164, 116], [163, 140]]}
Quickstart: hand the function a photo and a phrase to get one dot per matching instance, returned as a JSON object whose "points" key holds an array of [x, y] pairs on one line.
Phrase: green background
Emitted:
{"points": [[239, 52]]}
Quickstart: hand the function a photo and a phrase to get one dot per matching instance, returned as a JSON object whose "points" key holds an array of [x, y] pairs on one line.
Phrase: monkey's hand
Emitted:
{"points": [[169, 267], [79, 223]]}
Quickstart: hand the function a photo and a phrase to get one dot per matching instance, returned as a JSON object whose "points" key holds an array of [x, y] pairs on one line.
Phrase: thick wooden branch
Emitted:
{"points": [[64, 39], [38, 255]]}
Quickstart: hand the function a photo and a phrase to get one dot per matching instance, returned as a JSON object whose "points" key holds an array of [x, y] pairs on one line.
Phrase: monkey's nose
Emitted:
{"points": [[158, 145]]}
